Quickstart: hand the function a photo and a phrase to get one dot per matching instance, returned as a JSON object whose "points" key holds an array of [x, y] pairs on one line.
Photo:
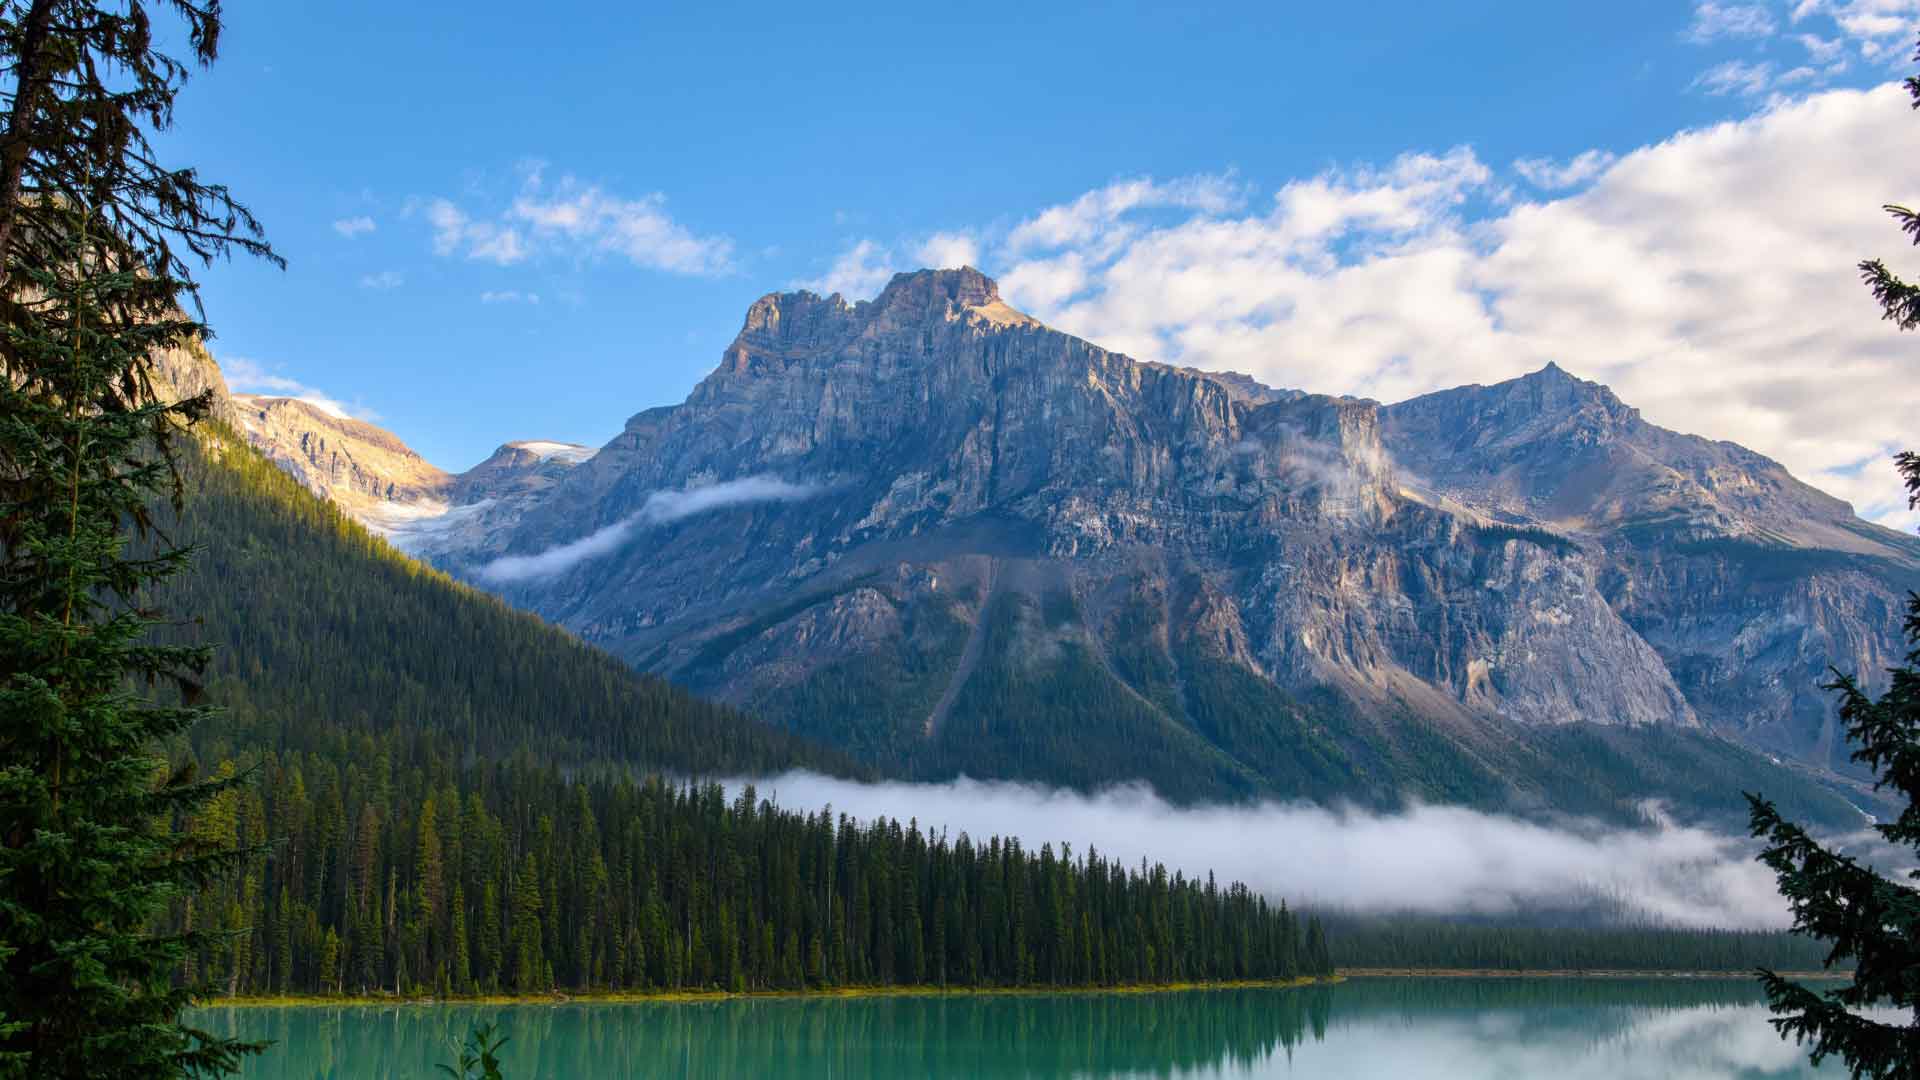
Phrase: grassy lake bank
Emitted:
{"points": [[628, 997]]}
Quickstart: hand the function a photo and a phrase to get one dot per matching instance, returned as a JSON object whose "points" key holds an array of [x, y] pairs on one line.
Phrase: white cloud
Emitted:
{"points": [[576, 220], [385, 279], [1713, 20], [638, 229], [245, 376], [1095, 212], [863, 269], [1435, 860], [661, 507], [1708, 279], [1550, 175], [449, 226], [454, 232], [1881, 31], [948, 250], [857, 274], [509, 296], [353, 226], [560, 558], [1747, 79], [1821, 50], [1817, 44]]}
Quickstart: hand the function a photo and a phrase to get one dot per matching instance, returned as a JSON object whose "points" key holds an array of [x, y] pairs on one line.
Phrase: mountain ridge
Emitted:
{"points": [[974, 511]]}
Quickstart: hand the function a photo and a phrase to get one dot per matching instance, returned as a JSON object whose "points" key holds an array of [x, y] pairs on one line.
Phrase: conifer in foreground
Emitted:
{"points": [[95, 830], [1870, 919]]}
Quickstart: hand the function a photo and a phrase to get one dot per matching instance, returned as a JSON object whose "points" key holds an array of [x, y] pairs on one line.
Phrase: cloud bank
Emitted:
{"points": [[1431, 860], [660, 508]]}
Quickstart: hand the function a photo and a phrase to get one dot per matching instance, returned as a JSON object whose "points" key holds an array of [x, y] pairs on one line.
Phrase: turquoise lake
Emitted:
{"points": [[1566, 1029]]}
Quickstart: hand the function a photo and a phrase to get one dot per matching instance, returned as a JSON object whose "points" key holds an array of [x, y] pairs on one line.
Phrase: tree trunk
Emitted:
{"points": [[15, 144]]}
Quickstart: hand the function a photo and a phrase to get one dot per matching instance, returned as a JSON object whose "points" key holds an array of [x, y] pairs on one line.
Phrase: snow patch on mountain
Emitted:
{"points": [[547, 450]]}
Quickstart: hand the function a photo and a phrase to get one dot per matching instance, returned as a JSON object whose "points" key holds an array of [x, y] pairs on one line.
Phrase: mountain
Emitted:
{"points": [[322, 631], [519, 469], [933, 531], [1747, 583], [372, 475]]}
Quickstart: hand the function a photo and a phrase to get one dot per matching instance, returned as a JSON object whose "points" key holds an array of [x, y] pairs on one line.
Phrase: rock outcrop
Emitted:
{"points": [[1749, 584], [366, 470]]}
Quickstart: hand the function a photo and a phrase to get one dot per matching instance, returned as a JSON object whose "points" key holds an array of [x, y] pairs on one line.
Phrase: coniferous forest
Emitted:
{"points": [[395, 869], [480, 809]]}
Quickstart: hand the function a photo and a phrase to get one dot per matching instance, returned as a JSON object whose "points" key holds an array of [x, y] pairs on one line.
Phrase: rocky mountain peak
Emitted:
{"points": [[1549, 409], [964, 296], [803, 335], [784, 326], [778, 322], [365, 469], [1553, 389], [521, 467], [936, 293]]}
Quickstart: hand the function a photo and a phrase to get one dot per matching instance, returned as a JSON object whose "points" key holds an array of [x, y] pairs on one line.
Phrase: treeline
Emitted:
{"points": [[1426, 942], [391, 865], [319, 626]]}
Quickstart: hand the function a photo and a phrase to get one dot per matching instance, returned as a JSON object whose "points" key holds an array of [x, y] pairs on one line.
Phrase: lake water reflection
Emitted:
{"points": [[1567, 1029]]}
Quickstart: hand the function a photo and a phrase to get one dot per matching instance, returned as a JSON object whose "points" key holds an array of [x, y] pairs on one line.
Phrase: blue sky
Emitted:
{"points": [[430, 169]]}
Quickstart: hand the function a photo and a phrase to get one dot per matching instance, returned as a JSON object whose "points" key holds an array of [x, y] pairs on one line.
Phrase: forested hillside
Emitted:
{"points": [[396, 867], [319, 628]]}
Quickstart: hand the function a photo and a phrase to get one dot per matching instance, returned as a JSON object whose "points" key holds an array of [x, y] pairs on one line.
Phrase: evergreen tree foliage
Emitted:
{"points": [[317, 627], [1412, 941], [616, 883], [1868, 918], [97, 836]]}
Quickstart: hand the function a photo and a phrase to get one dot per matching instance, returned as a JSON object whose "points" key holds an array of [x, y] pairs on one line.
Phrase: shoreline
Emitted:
{"points": [[630, 997], [669, 997], [1570, 973]]}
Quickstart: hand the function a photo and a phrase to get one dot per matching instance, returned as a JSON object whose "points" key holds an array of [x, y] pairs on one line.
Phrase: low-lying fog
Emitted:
{"points": [[1435, 860]]}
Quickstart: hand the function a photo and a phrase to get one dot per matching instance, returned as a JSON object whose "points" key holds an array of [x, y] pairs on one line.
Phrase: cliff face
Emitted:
{"points": [[1748, 583], [189, 371], [365, 469]]}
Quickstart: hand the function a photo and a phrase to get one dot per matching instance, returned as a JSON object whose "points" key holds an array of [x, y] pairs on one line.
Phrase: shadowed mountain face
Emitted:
{"points": [[931, 530], [1749, 584]]}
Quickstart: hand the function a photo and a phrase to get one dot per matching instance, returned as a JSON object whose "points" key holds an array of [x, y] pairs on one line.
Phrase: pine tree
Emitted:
{"points": [[1319, 961], [85, 805], [490, 932], [529, 958], [90, 290], [1868, 918], [462, 963]]}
